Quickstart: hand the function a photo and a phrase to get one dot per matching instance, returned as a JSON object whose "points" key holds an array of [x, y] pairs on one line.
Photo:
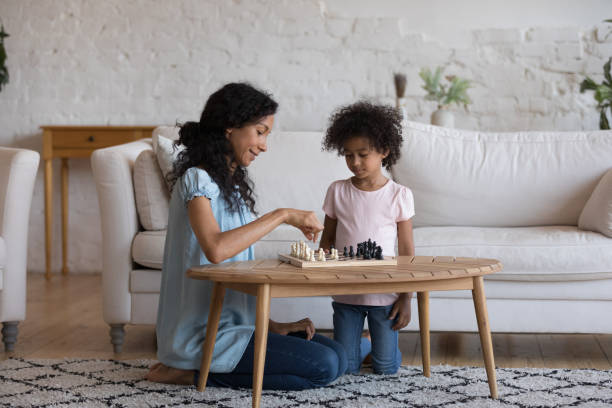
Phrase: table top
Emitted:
{"points": [[408, 269]]}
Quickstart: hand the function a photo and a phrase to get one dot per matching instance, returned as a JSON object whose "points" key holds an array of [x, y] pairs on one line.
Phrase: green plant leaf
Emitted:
{"points": [[603, 120], [432, 84], [606, 69], [603, 93], [588, 84]]}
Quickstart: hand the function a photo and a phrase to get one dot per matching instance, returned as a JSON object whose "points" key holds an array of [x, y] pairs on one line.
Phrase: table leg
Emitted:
{"points": [[64, 216], [480, 305], [423, 302], [214, 314], [261, 340], [48, 215]]}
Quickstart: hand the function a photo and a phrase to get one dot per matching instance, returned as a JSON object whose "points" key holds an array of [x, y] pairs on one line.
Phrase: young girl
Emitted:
{"points": [[368, 206]]}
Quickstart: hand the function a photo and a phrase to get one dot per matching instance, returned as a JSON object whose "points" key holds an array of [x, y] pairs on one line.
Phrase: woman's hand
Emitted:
{"points": [[304, 325], [401, 311], [305, 221]]}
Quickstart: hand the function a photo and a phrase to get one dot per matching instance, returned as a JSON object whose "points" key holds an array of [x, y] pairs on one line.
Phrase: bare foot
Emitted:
{"points": [[160, 373]]}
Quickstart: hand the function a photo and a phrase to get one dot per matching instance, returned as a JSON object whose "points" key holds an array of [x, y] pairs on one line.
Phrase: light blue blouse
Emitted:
{"points": [[184, 302]]}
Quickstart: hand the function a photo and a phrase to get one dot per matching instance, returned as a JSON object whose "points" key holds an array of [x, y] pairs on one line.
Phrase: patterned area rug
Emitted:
{"points": [[106, 383]]}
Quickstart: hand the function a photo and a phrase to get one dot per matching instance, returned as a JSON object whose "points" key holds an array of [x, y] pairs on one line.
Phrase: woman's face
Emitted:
{"points": [[250, 140]]}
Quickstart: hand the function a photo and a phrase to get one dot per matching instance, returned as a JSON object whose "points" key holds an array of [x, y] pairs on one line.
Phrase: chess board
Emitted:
{"points": [[343, 261]]}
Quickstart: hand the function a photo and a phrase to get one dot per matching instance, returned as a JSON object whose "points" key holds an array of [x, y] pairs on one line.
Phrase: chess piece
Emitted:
{"points": [[352, 252], [379, 255], [366, 255]]}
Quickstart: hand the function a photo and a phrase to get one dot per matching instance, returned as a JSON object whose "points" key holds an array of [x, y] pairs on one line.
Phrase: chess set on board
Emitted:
{"points": [[367, 254]]}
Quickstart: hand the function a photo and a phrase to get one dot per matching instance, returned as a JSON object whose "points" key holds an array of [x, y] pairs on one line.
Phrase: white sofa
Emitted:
{"points": [[516, 197], [17, 174]]}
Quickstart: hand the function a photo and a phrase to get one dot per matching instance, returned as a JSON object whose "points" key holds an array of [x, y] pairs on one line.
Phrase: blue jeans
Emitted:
{"points": [[292, 363], [348, 326]]}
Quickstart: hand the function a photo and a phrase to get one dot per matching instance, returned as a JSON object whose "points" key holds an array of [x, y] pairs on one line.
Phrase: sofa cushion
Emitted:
{"points": [[597, 213], [468, 178], [148, 248], [166, 153], [169, 132], [151, 194], [529, 253]]}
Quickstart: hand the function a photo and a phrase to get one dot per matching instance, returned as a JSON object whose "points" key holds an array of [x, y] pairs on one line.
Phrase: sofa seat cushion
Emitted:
{"points": [[549, 253], [148, 248]]}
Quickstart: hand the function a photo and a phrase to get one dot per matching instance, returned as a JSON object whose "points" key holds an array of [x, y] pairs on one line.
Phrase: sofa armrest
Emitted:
{"points": [[112, 170], [18, 169]]}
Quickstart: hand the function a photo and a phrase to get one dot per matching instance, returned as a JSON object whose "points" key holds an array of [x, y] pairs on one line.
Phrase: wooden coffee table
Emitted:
{"points": [[268, 279]]}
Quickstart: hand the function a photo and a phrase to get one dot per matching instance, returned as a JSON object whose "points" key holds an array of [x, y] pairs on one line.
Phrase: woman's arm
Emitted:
{"points": [[328, 237], [219, 246], [405, 246]]}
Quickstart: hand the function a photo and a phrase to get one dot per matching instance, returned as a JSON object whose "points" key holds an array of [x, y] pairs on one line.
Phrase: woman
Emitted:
{"points": [[210, 221]]}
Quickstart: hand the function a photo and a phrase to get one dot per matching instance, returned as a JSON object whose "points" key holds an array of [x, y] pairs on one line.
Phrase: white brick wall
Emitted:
{"points": [[155, 62]]}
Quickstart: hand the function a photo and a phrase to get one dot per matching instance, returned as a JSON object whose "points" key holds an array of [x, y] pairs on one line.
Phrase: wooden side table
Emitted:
{"points": [[271, 278], [75, 141]]}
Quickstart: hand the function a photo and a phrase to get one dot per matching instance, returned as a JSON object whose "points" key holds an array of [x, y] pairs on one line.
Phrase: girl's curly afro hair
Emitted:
{"points": [[381, 124]]}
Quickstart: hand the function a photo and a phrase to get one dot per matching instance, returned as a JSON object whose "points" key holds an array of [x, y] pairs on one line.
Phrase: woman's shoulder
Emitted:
{"points": [[197, 181]]}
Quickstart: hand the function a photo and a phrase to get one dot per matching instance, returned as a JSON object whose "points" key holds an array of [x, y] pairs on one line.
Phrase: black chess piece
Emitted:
{"points": [[345, 253], [352, 252], [366, 255], [379, 255]]}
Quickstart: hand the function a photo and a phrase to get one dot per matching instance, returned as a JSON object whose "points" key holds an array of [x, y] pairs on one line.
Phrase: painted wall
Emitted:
{"points": [[155, 62]]}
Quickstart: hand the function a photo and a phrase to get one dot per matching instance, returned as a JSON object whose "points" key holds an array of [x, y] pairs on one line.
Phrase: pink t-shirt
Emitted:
{"points": [[363, 215]]}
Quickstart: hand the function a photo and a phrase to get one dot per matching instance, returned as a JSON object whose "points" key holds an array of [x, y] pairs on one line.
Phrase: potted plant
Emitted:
{"points": [[603, 94], [4, 76], [444, 95]]}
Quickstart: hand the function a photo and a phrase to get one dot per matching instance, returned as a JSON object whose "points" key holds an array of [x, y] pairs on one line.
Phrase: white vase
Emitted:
{"points": [[443, 117]]}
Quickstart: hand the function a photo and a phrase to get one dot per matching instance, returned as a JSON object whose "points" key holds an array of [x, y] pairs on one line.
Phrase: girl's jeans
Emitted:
{"points": [[292, 363], [348, 326]]}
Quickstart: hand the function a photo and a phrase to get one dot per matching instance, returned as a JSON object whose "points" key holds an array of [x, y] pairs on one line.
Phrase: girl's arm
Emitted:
{"points": [[328, 237], [405, 240], [219, 246], [405, 246]]}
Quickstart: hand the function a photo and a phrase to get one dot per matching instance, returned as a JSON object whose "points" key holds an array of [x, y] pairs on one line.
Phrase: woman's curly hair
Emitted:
{"points": [[381, 124], [233, 106]]}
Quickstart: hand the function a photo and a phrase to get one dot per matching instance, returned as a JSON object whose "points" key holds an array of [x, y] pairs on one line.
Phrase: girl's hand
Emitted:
{"points": [[305, 221], [401, 311], [304, 325]]}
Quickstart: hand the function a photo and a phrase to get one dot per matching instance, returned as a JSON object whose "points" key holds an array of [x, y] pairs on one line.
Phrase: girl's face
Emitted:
{"points": [[250, 140], [363, 160]]}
